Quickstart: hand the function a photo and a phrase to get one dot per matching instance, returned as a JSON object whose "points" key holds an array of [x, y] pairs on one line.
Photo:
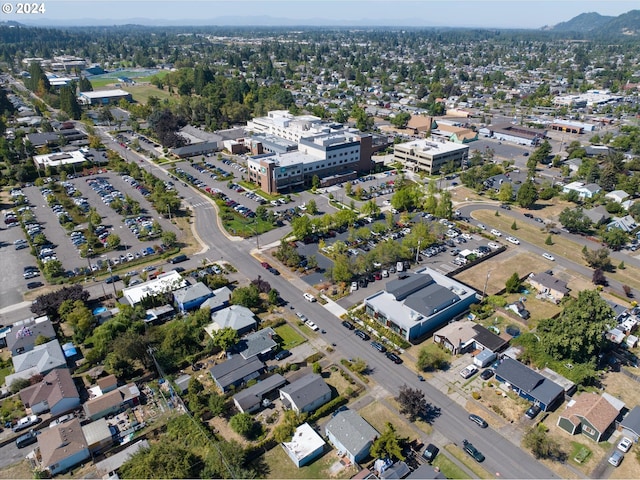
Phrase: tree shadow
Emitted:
{"points": [[431, 413]]}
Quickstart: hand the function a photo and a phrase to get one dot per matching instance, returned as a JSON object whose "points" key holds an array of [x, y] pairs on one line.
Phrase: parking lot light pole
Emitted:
{"points": [[418, 251]]}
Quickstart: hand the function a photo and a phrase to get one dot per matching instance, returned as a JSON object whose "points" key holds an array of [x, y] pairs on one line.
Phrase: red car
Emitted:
{"points": [[265, 265], [377, 276]]}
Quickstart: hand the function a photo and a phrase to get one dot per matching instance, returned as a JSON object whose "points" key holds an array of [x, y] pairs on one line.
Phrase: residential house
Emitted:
{"points": [[112, 402], [240, 318], [305, 445], [598, 215], [529, 384], [99, 435], [626, 224], [23, 334], [236, 371], [182, 383], [549, 286], [592, 415], [250, 399], [218, 300], [306, 394], [260, 343], [618, 196], [56, 393], [351, 435], [420, 124], [584, 190], [426, 472], [62, 447], [416, 304], [40, 360], [108, 383], [464, 336], [630, 424], [108, 468], [387, 470], [192, 296]]}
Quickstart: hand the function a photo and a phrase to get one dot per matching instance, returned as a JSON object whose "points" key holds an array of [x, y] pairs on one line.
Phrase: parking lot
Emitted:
{"points": [[46, 217]]}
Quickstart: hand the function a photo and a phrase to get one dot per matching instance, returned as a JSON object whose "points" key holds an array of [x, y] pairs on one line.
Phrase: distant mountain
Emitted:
{"points": [[594, 23]]}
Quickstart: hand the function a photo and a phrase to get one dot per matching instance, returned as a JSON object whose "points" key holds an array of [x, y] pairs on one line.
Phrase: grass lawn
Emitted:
{"points": [[448, 468], [3, 373], [290, 338], [141, 93], [279, 465], [468, 462], [236, 224], [21, 469], [579, 453]]}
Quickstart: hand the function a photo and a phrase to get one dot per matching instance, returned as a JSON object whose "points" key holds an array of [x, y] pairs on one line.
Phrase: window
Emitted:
{"points": [[588, 430]]}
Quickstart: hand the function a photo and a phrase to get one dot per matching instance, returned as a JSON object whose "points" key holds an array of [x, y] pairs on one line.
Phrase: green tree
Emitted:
{"points": [[412, 402], [597, 258], [574, 220], [401, 119], [388, 444], [248, 296], [348, 189], [273, 296], [217, 404], [244, 424], [403, 199], [315, 182], [166, 459], [113, 241], [431, 359], [577, 335], [168, 238], [513, 283], [527, 195], [514, 225], [548, 240], [615, 238], [301, 227], [53, 268], [225, 338], [541, 444], [341, 271], [506, 192], [370, 209], [312, 207]]}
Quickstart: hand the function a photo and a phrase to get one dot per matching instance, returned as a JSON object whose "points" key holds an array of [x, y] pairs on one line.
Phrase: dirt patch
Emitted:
{"points": [[505, 407], [378, 415], [622, 387], [334, 378], [464, 194], [496, 272]]}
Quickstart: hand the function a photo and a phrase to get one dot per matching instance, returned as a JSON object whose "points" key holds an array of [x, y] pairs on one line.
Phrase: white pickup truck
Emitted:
{"points": [[26, 422]]}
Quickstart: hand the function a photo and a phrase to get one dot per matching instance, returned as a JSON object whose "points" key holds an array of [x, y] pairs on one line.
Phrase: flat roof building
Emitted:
{"points": [[104, 97], [58, 159], [430, 155], [416, 304], [165, 282]]}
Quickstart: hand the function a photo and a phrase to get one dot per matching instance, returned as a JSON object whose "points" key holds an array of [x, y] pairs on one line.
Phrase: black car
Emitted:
{"points": [[430, 452], [487, 374], [32, 285], [282, 355], [532, 411], [393, 357], [361, 334], [505, 206], [113, 279], [348, 325], [479, 420], [473, 451], [274, 271], [528, 215], [178, 259], [378, 346]]}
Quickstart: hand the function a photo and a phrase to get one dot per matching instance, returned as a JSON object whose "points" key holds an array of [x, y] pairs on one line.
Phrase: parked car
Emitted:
{"points": [[178, 259], [282, 355], [532, 411], [348, 325], [361, 334], [513, 240], [28, 438], [378, 346], [394, 358], [112, 279], [616, 458], [487, 374], [478, 420], [32, 285], [625, 444], [308, 297], [468, 371], [26, 422], [430, 452], [473, 451], [548, 256]]}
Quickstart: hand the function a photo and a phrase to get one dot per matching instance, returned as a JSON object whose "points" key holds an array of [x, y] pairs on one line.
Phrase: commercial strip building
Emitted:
{"points": [[416, 304], [430, 155]]}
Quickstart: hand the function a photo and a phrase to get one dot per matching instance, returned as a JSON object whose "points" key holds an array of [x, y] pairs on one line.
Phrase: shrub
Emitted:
{"points": [[476, 395]]}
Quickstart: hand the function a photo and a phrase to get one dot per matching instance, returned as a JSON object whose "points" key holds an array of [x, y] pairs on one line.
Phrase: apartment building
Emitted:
{"points": [[430, 155]]}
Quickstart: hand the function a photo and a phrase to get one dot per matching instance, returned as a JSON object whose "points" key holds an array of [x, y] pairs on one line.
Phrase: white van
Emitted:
{"points": [[309, 297]]}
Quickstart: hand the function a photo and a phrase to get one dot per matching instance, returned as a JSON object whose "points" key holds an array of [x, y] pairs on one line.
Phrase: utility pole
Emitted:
{"points": [[418, 251], [484, 291]]}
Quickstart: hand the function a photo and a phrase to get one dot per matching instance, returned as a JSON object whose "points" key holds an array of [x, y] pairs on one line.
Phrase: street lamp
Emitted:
{"points": [[418, 251]]}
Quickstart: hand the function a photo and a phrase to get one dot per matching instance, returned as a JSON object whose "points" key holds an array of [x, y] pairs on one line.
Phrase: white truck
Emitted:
{"points": [[26, 422]]}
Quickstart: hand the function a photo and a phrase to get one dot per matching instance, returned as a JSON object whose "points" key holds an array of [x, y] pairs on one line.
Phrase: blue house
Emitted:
{"points": [[529, 384], [191, 296]]}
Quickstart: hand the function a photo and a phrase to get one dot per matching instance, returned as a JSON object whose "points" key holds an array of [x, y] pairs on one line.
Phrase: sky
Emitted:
{"points": [[410, 13]]}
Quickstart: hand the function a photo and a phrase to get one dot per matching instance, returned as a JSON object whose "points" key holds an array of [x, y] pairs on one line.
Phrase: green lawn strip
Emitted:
{"points": [[254, 188], [290, 338], [579, 453], [467, 461], [448, 468], [3, 373], [561, 246]]}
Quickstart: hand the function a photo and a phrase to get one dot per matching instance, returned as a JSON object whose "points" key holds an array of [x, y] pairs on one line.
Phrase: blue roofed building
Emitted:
{"points": [[416, 304], [529, 384]]}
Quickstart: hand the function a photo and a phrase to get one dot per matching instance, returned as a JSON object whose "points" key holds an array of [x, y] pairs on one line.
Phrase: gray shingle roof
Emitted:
{"points": [[351, 430], [252, 395], [306, 390], [632, 420], [235, 369], [191, 293], [531, 382], [257, 342]]}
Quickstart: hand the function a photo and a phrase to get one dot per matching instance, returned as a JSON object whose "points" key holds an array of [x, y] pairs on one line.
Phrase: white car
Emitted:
{"points": [[496, 233], [466, 236], [309, 297], [312, 325], [513, 240], [481, 226], [625, 444], [354, 286], [468, 371], [493, 245], [548, 256]]}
